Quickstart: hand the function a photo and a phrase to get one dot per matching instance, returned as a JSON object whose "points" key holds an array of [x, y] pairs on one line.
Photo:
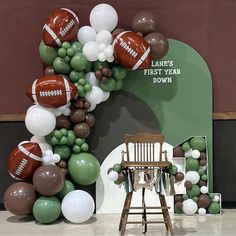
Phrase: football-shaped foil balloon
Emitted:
{"points": [[51, 91], [132, 51], [24, 160], [62, 25]]}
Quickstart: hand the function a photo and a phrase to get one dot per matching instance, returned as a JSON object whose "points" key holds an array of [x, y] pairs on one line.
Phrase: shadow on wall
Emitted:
{"points": [[122, 113]]}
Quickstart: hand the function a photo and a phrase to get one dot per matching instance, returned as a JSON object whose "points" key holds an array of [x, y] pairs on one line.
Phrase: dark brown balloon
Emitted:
{"points": [[145, 22], [64, 171], [121, 177], [82, 130], [178, 152], [158, 43], [203, 162], [63, 122], [117, 31], [98, 74], [179, 205], [202, 183], [203, 201], [203, 155], [90, 119], [105, 71], [140, 34], [48, 180], [104, 79], [77, 115], [188, 185], [78, 103], [178, 198], [62, 164], [109, 170], [179, 176], [87, 104], [49, 71], [19, 198]]}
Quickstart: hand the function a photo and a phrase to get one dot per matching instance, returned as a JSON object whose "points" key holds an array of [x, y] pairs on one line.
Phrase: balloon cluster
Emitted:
{"points": [[116, 174], [197, 198]]}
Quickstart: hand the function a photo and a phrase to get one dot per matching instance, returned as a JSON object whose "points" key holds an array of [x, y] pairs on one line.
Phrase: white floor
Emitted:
{"points": [[107, 225]]}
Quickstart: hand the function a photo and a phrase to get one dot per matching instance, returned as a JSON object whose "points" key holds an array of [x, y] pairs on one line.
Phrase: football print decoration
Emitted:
{"points": [[24, 160], [51, 91], [62, 25], [132, 51]]}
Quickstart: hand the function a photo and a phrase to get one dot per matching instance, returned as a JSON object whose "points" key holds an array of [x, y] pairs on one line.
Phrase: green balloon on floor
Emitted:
{"points": [[194, 191], [192, 164], [46, 209], [198, 143], [214, 208], [84, 168], [68, 187]]}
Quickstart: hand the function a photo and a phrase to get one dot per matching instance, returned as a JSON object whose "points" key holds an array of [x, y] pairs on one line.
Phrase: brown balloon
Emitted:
{"points": [[48, 180], [49, 71], [203, 201], [121, 177], [203, 155], [202, 183], [178, 152], [19, 198], [188, 185], [179, 176], [98, 74], [64, 171], [109, 170], [62, 164], [179, 205], [90, 119], [87, 104], [144, 22], [82, 130], [117, 31], [77, 115], [203, 162], [158, 43], [63, 122], [178, 198]]}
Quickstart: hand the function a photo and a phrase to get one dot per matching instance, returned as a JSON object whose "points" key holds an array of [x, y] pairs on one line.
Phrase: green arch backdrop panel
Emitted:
{"points": [[178, 89]]}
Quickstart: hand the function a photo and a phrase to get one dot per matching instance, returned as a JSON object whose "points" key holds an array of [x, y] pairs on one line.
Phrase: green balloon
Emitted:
{"points": [[79, 141], [65, 45], [194, 191], [61, 66], [47, 54], [173, 170], [204, 177], [192, 164], [84, 168], [75, 76], [117, 168], [63, 140], [214, 208], [63, 151], [70, 52], [211, 195], [57, 134], [78, 61], [54, 141], [89, 67], [178, 211], [77, 46], [201, 171], [68, 187], [61, 52], [46, 209], [84, 147], [118, 85], [76, 149], [185, 196], [195, 199], [119, 72], [98, 65], [109, 85], [198, 143], [71, 138], [186, 146]]}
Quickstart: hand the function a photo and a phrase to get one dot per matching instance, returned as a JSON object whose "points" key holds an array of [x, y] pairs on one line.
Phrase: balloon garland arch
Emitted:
{"points": [[84, 65]]}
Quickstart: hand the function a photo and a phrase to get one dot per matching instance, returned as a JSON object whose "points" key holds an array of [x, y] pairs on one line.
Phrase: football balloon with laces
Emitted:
{"points": [[51, 91], [62, 25], [132, 51], [24, 160]]}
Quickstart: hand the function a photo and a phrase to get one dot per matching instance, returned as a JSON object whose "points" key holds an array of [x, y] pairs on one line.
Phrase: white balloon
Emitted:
{"points": [[101, 57], [196, 154], [49, 153], [108, 52], [192, 176], [103, 17], [202, 211], [216, 198], [92, 107], [86, 34], [189, 207], [45, 147], [180, 168], [104, 36], [188, 153], [47, 160], [55, 158], [67, 111], [40, 121], [110, 59], [91, 78], [101, 47], [95, 96], [113, 175], [36, 139], [106, 95], [77, 206], [91, 50], [204, 189]]}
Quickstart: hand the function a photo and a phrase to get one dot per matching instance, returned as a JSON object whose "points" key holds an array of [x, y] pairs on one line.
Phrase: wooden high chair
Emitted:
{"points": [[145, 156]]}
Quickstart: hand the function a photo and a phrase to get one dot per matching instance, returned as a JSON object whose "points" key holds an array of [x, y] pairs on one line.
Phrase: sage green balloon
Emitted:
{"points": [[117, 167], [109, 85], [68, 187], [192, 164], [77, 46], [119, 72], [198, 143], [186, 146], [61, 66], [214, 208], [118, 85], [46, 209], [63, 151], [89, 67], [79, 61], [83, 168], [194, 191], [173, 170], [47, 54]]}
